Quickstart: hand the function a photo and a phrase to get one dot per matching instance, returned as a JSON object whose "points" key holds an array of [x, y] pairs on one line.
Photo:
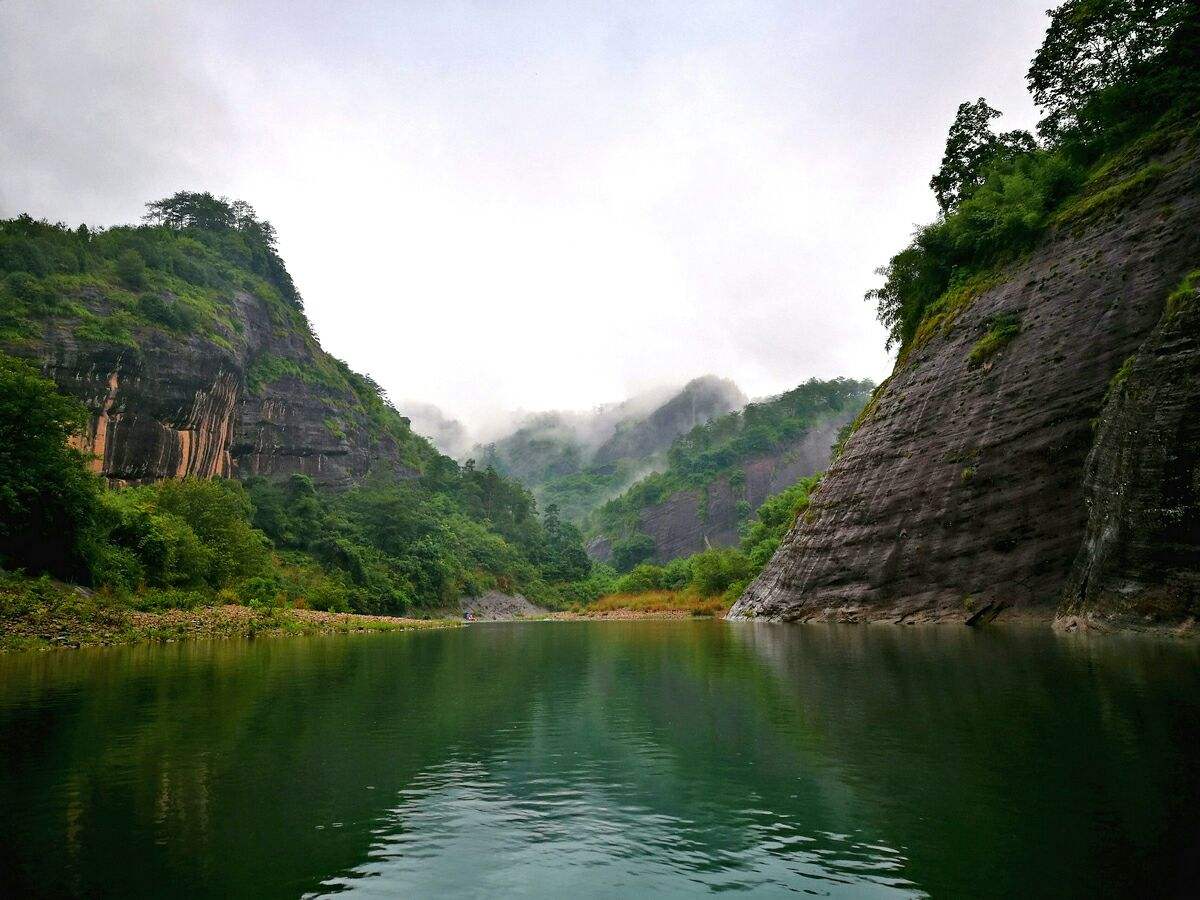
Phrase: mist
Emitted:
{"points": [[527, 206]]}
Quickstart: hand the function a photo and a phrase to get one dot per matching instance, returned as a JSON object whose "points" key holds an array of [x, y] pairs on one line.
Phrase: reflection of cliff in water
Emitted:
{"points": [[990, 755], [545, 756]]}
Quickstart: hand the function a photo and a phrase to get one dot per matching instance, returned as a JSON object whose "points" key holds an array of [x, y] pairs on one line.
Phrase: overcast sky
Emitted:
{"points": [[505, 205]]}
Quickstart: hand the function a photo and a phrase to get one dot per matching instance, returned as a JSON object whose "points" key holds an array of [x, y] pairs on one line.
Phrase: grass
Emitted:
{"points": [[941, 316], [1094, 203], [658, 602], [1184, 296], [40, 614]]}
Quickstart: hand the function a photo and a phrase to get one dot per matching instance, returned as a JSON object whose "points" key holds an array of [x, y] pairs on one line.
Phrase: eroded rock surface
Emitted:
{"points": [[964, 491], [176, 406], [1141, 551]]}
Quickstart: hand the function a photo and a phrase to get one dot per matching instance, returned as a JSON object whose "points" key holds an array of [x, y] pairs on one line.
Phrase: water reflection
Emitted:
{"points": [[601, 758]]}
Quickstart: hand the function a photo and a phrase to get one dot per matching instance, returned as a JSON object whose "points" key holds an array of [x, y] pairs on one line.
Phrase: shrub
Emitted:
{"points": [[714, 571], [131, 269], [260, 591], [643, 577], [48, 499], [171, 313], [632, 550]]}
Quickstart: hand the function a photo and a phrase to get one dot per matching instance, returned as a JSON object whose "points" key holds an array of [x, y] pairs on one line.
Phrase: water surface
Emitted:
{"points": [[604, 759]]}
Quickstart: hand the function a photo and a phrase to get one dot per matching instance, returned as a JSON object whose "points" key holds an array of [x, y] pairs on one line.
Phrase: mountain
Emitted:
{"points": [[719, 472], [193, 359], [1036, 449], [184, 351], [576, 461]]}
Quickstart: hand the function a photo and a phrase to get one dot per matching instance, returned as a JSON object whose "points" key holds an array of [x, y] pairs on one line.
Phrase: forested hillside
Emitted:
{"points": [[717, 474], [179, 350], [576, 461]]}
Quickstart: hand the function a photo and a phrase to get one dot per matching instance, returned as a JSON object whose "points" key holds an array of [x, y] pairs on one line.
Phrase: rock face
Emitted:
{"points": [[176, 406], [1141, 551], [700, 401], [965, 490], [690, 521]]}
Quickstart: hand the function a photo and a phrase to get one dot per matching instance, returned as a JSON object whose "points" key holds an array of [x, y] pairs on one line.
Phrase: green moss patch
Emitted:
{"points": [[1002, 328]]}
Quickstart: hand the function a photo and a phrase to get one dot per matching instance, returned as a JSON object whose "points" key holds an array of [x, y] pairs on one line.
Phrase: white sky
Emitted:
{"points": [[505, 205]]}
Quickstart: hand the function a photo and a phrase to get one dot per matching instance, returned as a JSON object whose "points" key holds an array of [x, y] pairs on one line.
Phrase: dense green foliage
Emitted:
{"points": [[47, 497], [176, 276], [970, 147], [720, 449], [57, 517], [386, 546], [725, 573], [1119, 81], [424, 542]]}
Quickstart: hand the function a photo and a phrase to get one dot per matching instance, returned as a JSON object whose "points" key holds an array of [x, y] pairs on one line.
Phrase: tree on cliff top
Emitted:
{"points": [[971, 147], [222, 216], [1105, 61]]}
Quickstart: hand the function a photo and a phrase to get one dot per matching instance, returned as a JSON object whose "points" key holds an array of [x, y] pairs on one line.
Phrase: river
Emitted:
{"points": [[595, 759]]}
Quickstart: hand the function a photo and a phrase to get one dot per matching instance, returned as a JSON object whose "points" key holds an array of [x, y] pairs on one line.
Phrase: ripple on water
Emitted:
{"points": [[463, 828]]}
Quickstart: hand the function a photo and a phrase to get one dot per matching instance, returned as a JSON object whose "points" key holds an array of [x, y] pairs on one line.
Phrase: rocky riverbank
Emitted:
{"points": [[96, 624]]}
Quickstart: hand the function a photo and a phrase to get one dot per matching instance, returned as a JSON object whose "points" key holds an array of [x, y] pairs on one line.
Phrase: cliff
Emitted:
{"points": [[1059, 469], [718, 473], [689, 521], [211, 373]]}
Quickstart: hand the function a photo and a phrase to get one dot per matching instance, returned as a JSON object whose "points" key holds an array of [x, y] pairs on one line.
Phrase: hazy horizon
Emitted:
{"points": [[549, 206]]}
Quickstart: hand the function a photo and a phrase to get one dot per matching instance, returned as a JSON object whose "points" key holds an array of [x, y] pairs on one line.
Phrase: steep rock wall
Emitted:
{"points": [[962, 493], [689, 521], [1141, 551], [176, 406]]}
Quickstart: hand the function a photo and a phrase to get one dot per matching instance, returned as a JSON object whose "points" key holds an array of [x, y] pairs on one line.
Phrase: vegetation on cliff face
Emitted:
{"points": [[711, 580], [177, 278], [1119, 82], [388, 545], [576, 461], [720, 449]]}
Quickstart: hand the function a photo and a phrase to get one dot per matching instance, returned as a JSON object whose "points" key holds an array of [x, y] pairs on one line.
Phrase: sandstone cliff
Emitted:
{"points": [[258, 397], [972, 488]]}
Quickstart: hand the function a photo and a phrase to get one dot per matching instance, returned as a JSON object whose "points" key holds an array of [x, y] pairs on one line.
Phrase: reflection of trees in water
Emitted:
{"points": [[217, 761], [982, 757]]}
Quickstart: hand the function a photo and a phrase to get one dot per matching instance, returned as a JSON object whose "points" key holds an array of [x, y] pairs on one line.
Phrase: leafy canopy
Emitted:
{"points": [[1108, 72], [1092, 45], [47, 496], [970, 148]]}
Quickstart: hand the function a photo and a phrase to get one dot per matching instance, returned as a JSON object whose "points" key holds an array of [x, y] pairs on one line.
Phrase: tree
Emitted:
{"points": [[632, 550], [563, 558], [257, 237], [48, 498], [971, 147], [1092, 45], [131, 268], [191, 209]]}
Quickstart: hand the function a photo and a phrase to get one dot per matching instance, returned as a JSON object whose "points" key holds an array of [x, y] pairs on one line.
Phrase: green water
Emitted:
{"points": [[605, 759]]}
